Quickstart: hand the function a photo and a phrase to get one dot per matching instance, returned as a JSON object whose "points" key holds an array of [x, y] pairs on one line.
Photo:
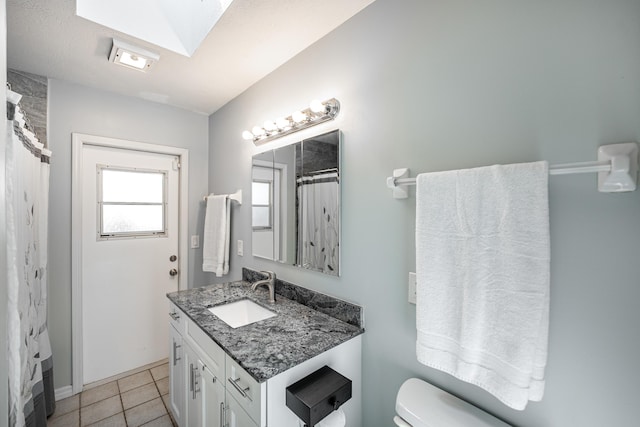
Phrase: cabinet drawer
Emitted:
{"points": [[236, 416], [209, 351], [177, 318], [245, 389]]}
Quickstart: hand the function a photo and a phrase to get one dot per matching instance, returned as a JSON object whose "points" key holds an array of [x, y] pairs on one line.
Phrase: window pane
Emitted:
{"points": [[260, 193], [132, 218], [131, 186], [261, 216]]}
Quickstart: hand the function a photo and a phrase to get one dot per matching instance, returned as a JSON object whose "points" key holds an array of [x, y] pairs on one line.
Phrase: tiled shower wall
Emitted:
{"points": [[33, 89]]}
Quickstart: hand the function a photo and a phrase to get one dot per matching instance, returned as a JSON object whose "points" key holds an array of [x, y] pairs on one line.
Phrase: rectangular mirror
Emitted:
{"points": [[295, 198]]}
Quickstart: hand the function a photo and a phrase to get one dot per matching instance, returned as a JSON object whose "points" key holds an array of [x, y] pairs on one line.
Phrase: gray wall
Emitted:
{"points": [[435, 85], [4, 405], [74, 108]]}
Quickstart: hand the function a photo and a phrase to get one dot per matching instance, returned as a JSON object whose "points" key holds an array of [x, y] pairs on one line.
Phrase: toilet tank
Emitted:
{"points": [[421, 404]]}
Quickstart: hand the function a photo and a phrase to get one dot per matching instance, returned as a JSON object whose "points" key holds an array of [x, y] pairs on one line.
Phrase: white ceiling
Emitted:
{"points": [[253, 38]]}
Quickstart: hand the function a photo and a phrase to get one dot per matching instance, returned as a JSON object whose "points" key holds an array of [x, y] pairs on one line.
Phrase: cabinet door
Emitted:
{"points": [[176, 376], [193, 387], [212, 398], [236, 416]]}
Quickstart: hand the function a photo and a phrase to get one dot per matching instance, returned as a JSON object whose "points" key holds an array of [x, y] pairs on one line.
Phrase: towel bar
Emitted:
{"points": [[617, 168], [237, 196]]}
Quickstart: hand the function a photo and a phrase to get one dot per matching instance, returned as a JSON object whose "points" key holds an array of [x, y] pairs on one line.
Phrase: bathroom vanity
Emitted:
{"points": [[224, 376]]}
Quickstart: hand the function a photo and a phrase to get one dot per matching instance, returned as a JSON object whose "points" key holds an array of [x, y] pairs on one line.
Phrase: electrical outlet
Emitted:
{"points": [[240, 248], [195, 241], [412, 288]]}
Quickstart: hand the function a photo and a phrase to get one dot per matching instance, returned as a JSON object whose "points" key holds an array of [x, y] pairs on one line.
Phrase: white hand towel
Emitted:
{"points": [[482, 259], [215, 246]]}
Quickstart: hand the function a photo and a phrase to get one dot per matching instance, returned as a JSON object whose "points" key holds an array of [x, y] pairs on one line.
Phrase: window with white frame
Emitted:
{"points": [[261, 204], [131, 202]]}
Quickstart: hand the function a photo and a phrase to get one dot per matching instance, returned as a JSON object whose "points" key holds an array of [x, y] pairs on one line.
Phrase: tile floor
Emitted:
{"points": [[135, 398]]}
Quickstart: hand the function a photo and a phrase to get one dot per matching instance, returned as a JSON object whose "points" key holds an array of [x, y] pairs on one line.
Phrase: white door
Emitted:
{"points": [[130, 259], [265, 201]]}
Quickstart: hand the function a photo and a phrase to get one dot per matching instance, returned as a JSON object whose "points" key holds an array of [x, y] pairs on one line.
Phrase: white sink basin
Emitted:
{"points": [[241, 313]]}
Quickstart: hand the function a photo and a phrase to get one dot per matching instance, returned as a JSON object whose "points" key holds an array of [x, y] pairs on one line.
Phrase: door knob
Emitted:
{"points": [[173, 272], [172, 258]]}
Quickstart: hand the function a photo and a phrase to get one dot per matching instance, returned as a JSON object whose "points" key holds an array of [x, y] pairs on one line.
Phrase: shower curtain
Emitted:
{"points": [[31, 393], [318, 227]]}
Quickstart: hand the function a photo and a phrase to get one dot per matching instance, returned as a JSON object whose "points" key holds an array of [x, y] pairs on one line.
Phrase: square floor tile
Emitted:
{"points": [[164, 421], [134, 381], [139, 395], [173, 420], [160, 372], [116, 420], [96, 394], [167, 402], [70, 419], [64, 406], [100, 410], [149, 411], [163, 386]]}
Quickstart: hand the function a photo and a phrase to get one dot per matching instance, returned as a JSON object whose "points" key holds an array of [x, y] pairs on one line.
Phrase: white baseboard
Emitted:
{"points": [[63, 392]]}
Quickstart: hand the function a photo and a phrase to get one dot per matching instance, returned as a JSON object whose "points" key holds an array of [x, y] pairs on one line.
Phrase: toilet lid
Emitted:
{"points": [[423, 405]]}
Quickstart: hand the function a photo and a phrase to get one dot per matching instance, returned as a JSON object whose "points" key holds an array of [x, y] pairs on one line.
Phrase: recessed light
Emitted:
{"points": [[131, 56]]}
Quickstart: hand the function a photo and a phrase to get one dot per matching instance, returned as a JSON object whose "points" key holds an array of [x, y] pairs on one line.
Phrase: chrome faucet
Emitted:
{"points": [[269, 282]]}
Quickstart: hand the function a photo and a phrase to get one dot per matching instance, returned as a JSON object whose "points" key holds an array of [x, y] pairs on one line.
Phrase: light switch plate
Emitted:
{"points": [[240, 248], [412, 288], [195, 241]]}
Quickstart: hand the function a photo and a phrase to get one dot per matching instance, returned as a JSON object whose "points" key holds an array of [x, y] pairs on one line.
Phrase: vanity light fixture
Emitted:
{"points": [[318, 112], [128, 55]]}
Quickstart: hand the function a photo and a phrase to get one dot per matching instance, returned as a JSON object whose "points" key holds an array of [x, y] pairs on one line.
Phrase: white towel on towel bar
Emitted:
{"points": [[215, 246], [482, 259]]}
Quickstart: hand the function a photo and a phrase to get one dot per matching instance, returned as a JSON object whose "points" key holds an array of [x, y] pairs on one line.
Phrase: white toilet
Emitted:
{"points": [[419, 404]]}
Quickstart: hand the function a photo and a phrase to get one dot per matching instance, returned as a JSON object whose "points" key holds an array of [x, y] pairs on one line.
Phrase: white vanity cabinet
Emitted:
{"points": [[217, 392], [198, 394]]}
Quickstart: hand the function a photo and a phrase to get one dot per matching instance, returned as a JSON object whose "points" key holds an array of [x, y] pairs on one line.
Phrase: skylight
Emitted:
{"points": [[179, 26]]}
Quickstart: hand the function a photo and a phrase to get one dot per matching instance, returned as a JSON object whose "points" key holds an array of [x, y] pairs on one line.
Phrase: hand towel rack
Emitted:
{"points": [[617, 168], [237, 196]]}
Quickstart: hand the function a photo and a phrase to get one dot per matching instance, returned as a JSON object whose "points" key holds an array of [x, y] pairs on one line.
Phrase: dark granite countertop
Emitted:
{"points": [[266, 348]]}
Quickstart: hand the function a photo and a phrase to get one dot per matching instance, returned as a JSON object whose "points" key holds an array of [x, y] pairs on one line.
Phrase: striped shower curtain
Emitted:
{"points": [[31, 393]]}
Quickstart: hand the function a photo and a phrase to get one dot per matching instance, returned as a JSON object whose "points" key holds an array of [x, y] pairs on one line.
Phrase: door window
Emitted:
{"points": [[261, 204], [131, 202]]}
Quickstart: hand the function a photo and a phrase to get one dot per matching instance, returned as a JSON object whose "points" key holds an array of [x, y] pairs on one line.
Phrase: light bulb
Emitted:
{"points": [[317, 106], [257, 131], [247, 135], [298, 116], [269, 126], [282, 123]]}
